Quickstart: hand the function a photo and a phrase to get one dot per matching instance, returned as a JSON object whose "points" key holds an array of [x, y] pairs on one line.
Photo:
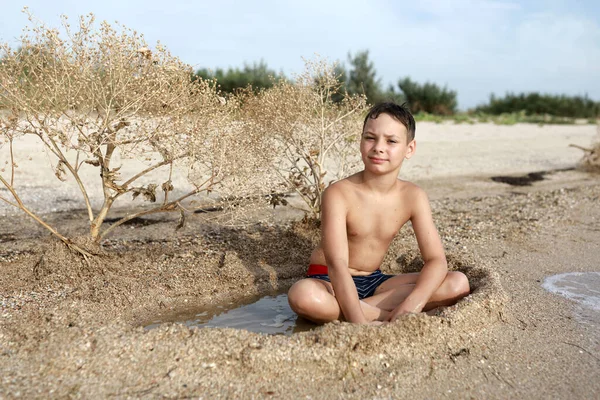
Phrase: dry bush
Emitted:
{"points": [[312, 138], [97, 95], [591, 158]]}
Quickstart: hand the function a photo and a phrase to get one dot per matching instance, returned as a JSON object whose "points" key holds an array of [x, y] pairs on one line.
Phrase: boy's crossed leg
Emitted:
{"points": [[315, 300]]}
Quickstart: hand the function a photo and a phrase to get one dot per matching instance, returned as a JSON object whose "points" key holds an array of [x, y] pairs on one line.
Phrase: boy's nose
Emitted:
{"points": [[378, 148]]}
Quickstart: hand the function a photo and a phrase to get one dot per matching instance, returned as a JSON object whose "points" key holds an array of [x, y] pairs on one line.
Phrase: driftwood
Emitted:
{"points": [[591, 157]]}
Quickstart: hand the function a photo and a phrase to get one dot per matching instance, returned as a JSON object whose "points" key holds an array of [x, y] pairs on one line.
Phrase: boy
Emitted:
{"points": [[360, 215]]}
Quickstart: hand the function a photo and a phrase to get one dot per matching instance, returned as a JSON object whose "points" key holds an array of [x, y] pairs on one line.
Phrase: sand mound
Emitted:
{"points": [[79, 331]]}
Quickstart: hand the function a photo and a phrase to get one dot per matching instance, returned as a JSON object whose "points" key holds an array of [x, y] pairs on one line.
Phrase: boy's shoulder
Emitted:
{"points": [[338, 188], [412, 194], [410, 189], [345, 186], [352, 184]]}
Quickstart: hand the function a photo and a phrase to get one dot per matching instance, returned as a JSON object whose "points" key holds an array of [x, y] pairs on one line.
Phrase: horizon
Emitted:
{"points": [[471, 47]]}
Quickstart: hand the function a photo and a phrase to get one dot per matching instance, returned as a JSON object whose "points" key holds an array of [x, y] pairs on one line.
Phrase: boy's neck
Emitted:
{"points": [[380, 183]]}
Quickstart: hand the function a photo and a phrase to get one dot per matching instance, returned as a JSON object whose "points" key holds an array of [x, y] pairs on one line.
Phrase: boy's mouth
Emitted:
{"points": [[377, 160]]}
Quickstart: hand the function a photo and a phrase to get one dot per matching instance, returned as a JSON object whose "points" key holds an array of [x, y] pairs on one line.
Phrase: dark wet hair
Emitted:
{"points": [[398, 112]]}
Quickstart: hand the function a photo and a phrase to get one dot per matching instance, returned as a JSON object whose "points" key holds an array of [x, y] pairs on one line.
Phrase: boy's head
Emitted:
{"points": [[398, 112]]}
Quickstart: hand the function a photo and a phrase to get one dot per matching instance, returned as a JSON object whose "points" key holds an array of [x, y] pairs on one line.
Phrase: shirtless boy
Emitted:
{"points": [[360, 215]]}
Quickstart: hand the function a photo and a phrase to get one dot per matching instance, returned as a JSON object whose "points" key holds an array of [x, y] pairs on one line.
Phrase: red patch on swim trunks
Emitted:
{"points": [[317, 269]]}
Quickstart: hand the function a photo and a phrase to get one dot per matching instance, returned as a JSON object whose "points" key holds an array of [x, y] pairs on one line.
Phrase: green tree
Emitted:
{"points": [[392, 95], [428, 97], [258, 75], [341, 75], [542, 104], [362, 77]]}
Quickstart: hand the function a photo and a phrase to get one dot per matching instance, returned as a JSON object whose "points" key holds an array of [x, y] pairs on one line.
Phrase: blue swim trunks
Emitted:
{"points": [[365, 285]]}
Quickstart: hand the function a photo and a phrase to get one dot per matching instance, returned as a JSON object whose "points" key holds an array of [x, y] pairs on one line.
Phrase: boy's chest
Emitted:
{"points": [[381, 221]]}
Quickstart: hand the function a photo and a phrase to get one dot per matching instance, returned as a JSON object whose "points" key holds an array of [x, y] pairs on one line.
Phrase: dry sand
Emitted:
{"points": [[444, 150], [72, 330]]}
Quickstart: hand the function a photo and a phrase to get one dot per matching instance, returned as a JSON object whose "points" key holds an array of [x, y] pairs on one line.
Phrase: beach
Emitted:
{"points": [[71, 329]]}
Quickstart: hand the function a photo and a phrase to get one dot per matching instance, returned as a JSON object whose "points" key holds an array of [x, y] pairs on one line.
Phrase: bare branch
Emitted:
{"points": [[12, 162], [144, 172], [73, 171], [169, 187], [171, 206], [20, 205], [9, 202]]}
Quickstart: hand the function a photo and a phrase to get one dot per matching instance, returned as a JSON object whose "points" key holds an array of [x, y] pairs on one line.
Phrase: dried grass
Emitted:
{"points": [[95, 95], [311, 137]]}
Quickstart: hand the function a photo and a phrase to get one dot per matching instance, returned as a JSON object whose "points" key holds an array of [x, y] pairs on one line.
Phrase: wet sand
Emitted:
{"points": [[72, 330]]}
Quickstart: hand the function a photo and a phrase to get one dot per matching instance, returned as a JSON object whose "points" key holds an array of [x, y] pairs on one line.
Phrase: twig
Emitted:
{"points": [[581, 148], [85, 254], [9, 202], [171, 206], [73, 171], [502, 379], [167, 191], [151, 168], [12, 161], [579, 347]]}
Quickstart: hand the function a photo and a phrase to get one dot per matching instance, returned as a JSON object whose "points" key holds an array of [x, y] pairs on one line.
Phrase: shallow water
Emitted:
{"points": [[581, 287], [269, 314]]}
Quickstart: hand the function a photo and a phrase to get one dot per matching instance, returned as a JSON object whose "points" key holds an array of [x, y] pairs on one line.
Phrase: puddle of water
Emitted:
{"points": [[525, 180], [269, 314], [581, 287]]}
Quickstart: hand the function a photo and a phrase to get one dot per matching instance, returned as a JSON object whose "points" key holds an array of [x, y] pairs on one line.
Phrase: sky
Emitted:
{"points": [[473, 47]]}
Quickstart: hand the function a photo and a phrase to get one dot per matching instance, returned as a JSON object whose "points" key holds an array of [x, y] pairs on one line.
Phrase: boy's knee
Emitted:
{"points": [[458, 284], [301, 297]]}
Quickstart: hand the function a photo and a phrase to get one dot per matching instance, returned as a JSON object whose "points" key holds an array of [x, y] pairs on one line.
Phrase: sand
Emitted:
{"points": [[68, 329], [444, 151]]}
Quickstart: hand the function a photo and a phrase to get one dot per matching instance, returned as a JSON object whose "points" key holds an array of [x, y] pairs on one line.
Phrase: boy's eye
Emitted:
{"points": [[392, 141]]}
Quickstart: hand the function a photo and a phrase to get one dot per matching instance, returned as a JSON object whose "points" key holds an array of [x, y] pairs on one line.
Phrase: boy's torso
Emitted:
{"points": [[372, 221]]}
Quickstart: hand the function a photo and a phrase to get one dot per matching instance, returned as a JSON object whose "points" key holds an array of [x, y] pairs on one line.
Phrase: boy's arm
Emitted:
{"points": [[435, 265], [335, 247]]}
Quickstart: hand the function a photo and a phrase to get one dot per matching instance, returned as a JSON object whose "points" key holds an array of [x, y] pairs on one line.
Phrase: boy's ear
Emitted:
{"points": [[410, 149]]}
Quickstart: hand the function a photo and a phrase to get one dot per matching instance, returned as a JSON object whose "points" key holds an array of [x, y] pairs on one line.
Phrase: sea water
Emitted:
{"points": [[581, 287], [268, 314]]}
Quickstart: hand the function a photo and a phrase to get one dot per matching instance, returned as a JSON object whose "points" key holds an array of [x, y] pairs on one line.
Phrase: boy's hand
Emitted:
{"points": [[398, 311], [413, 304]]}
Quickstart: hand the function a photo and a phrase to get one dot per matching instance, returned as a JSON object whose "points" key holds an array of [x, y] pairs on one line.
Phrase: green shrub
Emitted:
{"points": [[542, 104], [359, 80], [508, 118], [428, 97], [462, 118], [426, 117], [257, 75]]}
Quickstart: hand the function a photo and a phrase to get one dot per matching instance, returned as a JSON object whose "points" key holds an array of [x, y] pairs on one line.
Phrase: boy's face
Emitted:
{"points": [[383, 144]]}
